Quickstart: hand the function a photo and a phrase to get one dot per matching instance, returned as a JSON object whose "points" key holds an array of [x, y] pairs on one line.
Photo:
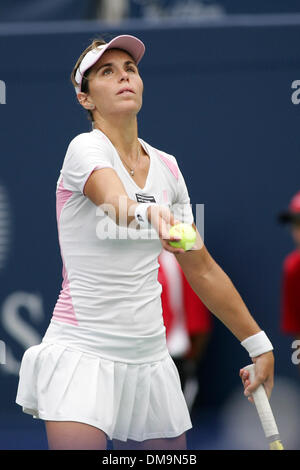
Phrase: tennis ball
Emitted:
{"points": [[186, 232]]}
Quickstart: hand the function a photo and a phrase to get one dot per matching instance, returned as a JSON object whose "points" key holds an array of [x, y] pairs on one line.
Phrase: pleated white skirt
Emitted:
{"points": [[126, 401]]}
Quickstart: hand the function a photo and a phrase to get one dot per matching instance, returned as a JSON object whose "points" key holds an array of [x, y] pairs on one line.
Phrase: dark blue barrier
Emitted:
{"points": [[218, 97]]}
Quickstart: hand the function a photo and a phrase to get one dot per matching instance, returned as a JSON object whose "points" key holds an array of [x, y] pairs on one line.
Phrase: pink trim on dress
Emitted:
{"points": [[172, 167], [64, 310]]}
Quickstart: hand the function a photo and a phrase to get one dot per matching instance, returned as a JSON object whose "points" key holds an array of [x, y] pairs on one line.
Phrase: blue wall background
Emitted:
{"points": [[218, 97]]}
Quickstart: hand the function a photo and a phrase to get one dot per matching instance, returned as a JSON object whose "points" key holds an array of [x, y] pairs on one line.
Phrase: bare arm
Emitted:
{"points": [[217, 292], [105, 187]]}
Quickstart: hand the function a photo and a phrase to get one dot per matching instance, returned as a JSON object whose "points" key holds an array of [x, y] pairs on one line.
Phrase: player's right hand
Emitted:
{"points": [[162, 219], [264, 366]]}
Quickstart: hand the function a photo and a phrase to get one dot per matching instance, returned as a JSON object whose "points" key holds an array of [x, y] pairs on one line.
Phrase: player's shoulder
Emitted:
{"points": [[89, 139], [292, 262], [163, 154], [165, 159]]}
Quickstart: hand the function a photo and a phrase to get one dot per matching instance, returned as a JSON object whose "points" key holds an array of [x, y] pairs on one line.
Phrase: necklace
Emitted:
{"points": [[132, 169]]}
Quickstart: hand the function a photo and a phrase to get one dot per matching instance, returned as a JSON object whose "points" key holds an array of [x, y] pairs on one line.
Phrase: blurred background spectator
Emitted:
{"points": [[290, 311], [164, 9], [112, 10]]}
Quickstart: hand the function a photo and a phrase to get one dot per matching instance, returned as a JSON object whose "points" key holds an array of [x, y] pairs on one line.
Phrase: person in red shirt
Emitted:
{"points": [[290, 300], [188, 323]]}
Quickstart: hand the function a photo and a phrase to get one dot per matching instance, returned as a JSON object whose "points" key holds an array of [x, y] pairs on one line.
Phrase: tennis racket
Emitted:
{"points": [[265, 412]]}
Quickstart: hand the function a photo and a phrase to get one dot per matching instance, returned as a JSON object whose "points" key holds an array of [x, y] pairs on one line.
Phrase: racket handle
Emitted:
{"points": [[263, 407]]}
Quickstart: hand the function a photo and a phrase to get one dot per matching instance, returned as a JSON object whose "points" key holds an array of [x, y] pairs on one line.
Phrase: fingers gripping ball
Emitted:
{"points": [[186, 232]]}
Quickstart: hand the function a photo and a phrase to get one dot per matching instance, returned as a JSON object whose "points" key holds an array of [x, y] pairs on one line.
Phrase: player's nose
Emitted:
{"points": [[124, 75]]}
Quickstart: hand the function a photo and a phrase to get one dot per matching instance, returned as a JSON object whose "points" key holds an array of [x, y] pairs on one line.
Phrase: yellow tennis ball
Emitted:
{"points": [[276, 445], [186, 232]]}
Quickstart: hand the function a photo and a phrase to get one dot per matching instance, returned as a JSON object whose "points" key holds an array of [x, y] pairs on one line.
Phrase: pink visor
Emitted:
{"points": [[131, 44]]}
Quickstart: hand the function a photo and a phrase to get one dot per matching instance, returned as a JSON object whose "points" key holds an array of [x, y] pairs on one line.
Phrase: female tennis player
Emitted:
{"points": [[103, 370]]}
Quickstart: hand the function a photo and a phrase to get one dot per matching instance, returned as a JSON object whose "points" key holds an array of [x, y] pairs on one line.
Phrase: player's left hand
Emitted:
{"points": [[264, 374]]}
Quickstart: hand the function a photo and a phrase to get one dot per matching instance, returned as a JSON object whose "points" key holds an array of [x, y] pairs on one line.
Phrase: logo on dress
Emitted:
{"points": [[144, 198]]}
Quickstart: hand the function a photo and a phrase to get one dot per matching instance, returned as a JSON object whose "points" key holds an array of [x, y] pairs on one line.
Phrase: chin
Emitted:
{"points": [[128, 108]]}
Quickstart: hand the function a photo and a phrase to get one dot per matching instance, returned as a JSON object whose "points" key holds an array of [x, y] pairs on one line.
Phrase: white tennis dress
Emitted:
{"points": [[103, 359]]}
